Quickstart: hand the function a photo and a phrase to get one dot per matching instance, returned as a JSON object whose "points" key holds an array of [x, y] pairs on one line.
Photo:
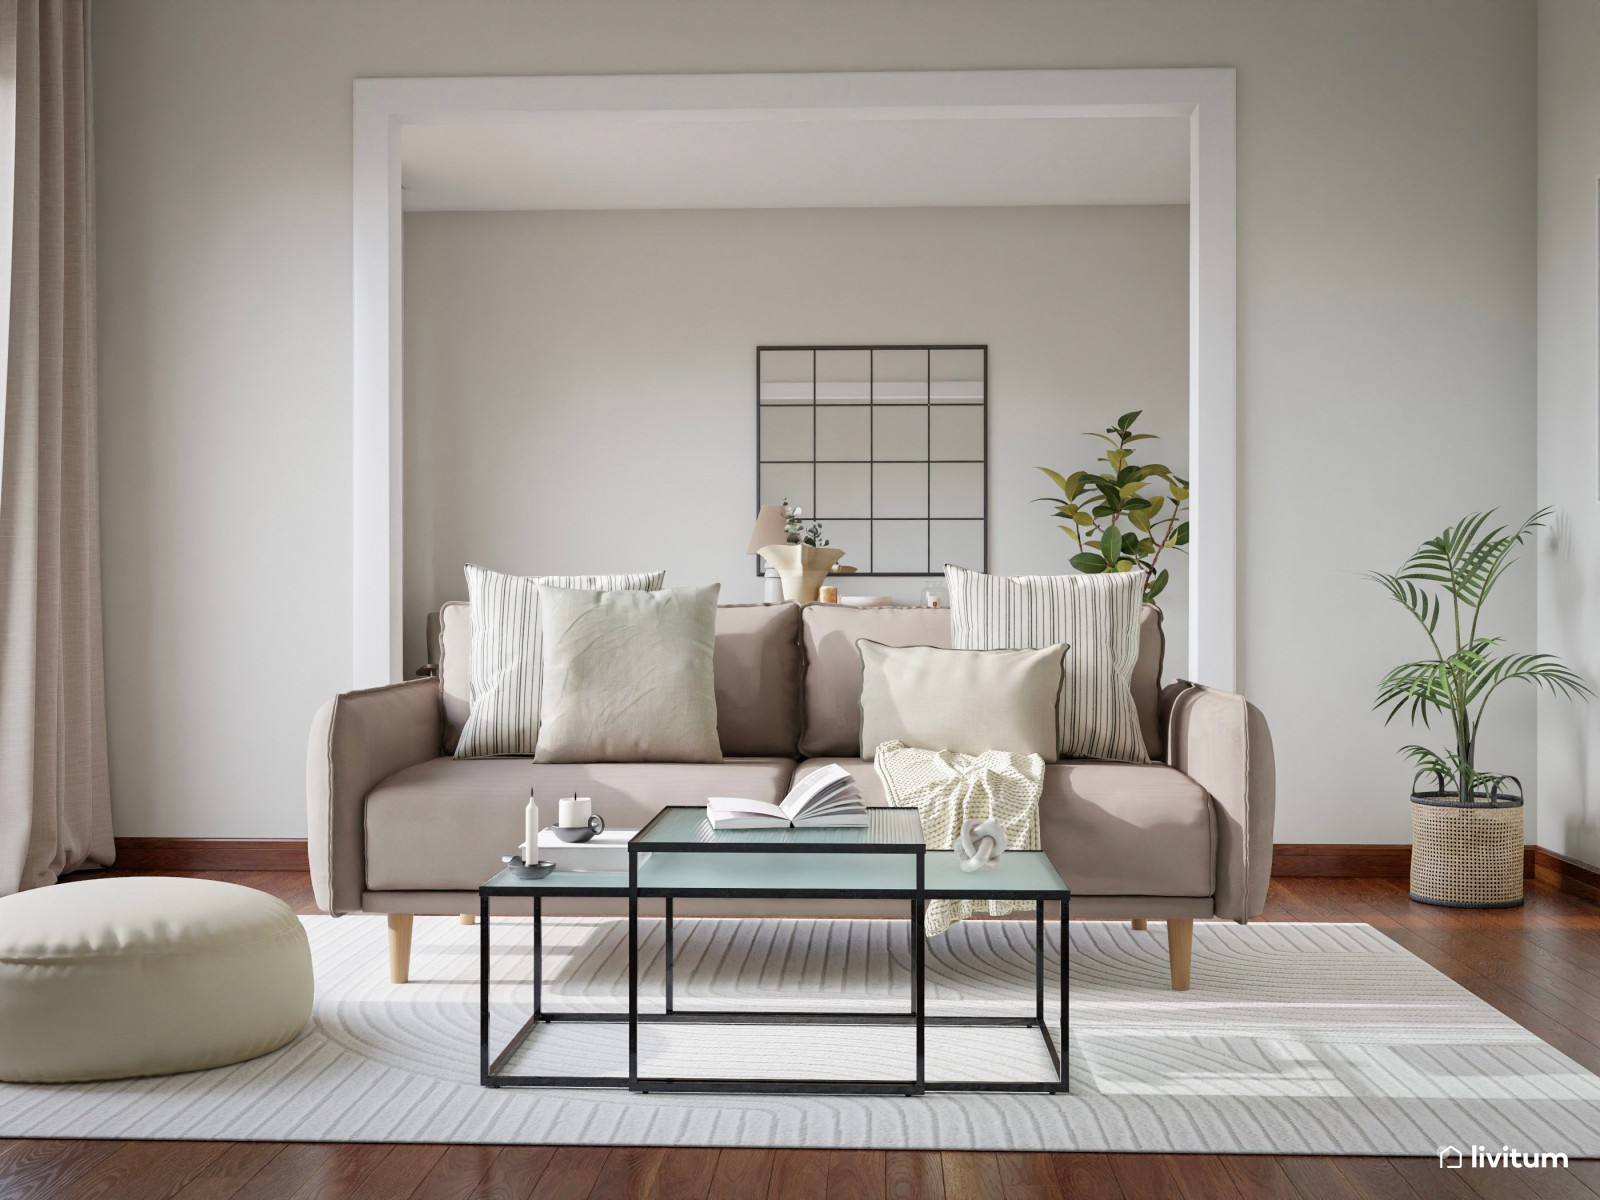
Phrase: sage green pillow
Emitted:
{"points": [[969, 701], [627, 676]]}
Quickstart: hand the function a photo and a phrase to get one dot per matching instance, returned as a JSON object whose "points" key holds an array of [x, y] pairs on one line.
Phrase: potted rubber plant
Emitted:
{"points": [[1466, 830], [1123, 518]]}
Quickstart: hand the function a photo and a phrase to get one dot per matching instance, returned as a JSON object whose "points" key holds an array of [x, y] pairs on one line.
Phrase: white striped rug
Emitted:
{"points": [[1296, 1038]]}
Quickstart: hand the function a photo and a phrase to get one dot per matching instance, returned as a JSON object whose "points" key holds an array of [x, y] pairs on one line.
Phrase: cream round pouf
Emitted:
{"points": [[111, 978]]}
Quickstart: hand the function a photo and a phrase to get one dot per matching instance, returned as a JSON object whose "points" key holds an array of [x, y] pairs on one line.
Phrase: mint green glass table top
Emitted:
{"points": [[897, 829], [1019, 872], [505, 883], [757, 872]]}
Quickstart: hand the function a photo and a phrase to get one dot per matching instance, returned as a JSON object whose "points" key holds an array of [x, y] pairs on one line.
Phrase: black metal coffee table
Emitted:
{"points": [[678, 856], [1019, 875], [492, 1072], [690, 860]]}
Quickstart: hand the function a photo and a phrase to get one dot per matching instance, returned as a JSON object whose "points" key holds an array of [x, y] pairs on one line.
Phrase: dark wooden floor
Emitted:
{"points": [[1539, 964]]}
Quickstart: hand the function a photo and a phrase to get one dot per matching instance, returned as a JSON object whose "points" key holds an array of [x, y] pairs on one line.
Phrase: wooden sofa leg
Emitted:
{"points": [[1140, 924], [1180, 952], [469, 918], [399, 947]]}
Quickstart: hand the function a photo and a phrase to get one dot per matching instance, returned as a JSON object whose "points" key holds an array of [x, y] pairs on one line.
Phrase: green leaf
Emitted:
{"points": [[1156, 586], [1089, 564], [1058, 479], [1111, 546], [1130, 542], [1126, 420], [1180, 535]]}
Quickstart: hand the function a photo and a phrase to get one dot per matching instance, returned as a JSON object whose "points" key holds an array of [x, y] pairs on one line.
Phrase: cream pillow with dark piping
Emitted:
{"points": [[969, 701]]}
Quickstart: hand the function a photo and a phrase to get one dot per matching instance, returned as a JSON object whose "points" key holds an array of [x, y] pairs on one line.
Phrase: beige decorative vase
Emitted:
{"points": [[801, 568]]}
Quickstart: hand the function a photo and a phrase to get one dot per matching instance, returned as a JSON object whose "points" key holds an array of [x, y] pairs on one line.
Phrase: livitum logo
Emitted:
{"points": [[1487, 1156]]}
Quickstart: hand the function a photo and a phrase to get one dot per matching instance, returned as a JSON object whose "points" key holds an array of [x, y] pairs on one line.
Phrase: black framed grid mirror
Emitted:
{"points": [[887, 446]]}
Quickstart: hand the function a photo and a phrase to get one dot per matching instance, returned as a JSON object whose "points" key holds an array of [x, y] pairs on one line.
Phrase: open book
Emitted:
{"points": [[825, 797]]}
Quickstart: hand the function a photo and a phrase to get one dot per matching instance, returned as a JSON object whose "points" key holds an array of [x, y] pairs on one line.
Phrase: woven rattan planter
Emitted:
{"points": [[1466, 855]]}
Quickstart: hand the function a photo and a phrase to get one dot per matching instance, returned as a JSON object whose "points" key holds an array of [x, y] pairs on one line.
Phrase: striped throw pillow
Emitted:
{"points": [[505, 669], [1097, 615]]}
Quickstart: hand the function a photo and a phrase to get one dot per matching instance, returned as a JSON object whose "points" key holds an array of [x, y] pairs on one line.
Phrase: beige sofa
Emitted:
{"points": [[398, 826]]}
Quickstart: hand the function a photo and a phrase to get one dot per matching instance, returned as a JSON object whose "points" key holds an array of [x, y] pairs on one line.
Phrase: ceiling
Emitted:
{"points": [[588, 162]]}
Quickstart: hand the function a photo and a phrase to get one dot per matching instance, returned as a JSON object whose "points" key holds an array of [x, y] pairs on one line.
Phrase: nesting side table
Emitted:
{"points": [[1019, 875], [558, 883]]}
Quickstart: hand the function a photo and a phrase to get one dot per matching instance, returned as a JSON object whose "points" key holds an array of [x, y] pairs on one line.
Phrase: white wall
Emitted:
{"points": [[1569, 558], [1386, 291], [580, 385]]}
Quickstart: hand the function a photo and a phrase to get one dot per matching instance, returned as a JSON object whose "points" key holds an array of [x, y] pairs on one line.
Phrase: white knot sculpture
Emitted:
{"points": [[981, 844]]}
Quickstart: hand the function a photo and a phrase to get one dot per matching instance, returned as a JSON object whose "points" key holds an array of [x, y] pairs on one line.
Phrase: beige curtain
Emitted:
{"points": [[55, 809]]}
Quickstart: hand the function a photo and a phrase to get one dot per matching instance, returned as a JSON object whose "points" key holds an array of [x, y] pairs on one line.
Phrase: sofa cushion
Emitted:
{"points": [[1097, 615], [833, 668], [1111, 829], [453, 661], [829, 633], [444, 823], [969, 701], [1146, 682], [756, 662], [758, 676], [508, 656], [628, 676]]}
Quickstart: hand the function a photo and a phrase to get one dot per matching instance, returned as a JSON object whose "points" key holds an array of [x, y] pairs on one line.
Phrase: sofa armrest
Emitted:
{"points": [[358, 740], [1221, 741]]}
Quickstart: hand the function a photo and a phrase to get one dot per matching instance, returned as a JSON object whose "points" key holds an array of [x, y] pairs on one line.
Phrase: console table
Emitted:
{"points": [[679, 856]]}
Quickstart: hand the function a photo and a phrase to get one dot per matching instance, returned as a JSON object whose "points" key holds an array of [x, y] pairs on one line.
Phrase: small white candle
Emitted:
{"points": [[574, 811], [530, 830]]}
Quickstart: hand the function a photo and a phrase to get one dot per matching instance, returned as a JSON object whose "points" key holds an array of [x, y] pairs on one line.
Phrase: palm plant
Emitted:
{"points": [[1466, 669]]}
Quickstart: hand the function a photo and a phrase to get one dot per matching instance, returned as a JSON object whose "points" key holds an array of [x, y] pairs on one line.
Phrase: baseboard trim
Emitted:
{"points": [[1566, 874], [1302, 860], [1376, 860], [212, 854]]}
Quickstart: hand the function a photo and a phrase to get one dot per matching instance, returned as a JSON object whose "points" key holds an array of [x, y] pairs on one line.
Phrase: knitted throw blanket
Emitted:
{"points": [[947, 788]]}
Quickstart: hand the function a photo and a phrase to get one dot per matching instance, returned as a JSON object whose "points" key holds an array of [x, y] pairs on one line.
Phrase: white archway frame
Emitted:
{"points": [[1205, 95]]}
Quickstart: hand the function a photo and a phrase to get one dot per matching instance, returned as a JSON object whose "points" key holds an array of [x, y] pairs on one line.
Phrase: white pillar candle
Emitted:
{"points": [[530, 830], [575, 811]]}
